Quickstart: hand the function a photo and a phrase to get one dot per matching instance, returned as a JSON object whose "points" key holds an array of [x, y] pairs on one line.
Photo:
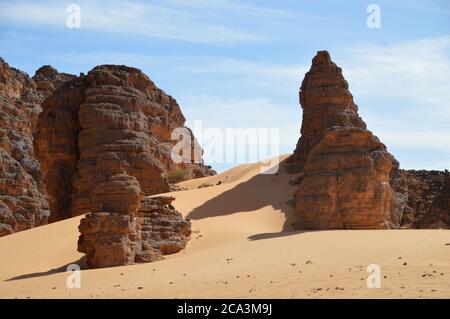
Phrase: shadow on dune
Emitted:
{"points": [[283, 233], [259, 191], [80, 262]]}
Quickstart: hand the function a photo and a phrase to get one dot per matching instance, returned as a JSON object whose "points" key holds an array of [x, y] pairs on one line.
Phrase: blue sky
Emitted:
{"points": [[236, 63]]}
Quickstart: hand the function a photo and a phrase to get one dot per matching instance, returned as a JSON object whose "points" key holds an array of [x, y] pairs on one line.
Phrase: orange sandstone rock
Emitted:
{"points": [[124, 228], [22, 198], [345, 169]]}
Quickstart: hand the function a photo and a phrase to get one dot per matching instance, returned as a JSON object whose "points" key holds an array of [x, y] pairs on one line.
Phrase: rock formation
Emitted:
{"points": [[348, 180], [112, 120], [48, 79], [124, 227], [83, 130], [22, 201], [428, 199], [326, 103]]}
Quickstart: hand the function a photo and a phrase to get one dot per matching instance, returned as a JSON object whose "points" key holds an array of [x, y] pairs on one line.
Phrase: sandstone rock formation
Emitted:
{"points": [[126, 228], [345, 170], [83, 130], [428, 199], [346, 183], [326, 103], [22, 201], [113, 120], [56, 144], [48, 79]]}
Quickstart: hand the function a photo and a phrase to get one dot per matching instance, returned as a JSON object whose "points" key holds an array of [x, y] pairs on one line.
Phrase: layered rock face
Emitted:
{"points": [[126, 228], [326, 102], [113, 120], [346, 183], [61, 136], [22, 201], [345, 169], [56, 144], [347, 178], [48, 79], [428, 199]]}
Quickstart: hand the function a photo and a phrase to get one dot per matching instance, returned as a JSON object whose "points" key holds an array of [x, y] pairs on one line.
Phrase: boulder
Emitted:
{"points": [[124, 228]]}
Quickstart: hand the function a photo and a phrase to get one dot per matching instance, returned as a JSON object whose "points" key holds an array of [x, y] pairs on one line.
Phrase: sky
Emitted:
{"points": [[239, 64]]}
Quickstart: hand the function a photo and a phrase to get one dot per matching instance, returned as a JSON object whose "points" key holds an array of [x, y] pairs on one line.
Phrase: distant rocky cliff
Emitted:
{"points": [[63, 135], [348, 179]]}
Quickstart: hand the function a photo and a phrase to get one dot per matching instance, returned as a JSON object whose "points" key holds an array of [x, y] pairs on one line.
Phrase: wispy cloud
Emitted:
{"points": [[196, 21], [418, 71], [404, 90], [236, 6]]}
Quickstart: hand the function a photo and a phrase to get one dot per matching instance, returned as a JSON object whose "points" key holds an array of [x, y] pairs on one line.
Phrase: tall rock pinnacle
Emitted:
{"points": [[346, 170], [326, 102]]}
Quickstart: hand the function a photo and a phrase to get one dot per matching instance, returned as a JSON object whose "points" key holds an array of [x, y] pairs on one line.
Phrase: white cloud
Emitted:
{"points": [[406, 91], [417, 71], [160, 19], [235, 6]]}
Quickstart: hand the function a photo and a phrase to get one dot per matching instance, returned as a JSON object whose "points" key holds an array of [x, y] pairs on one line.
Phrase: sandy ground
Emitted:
{"points": [[243, 245]]}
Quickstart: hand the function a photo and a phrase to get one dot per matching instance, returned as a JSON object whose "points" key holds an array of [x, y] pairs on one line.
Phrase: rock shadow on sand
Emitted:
{"points": [[80, 262], [283, 233], [259, 191]]}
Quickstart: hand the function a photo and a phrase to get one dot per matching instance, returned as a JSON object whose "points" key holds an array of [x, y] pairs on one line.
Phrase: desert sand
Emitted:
{"points": [[244, 245]]}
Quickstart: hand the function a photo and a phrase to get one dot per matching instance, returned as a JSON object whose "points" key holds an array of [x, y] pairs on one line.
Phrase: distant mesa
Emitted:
{"points": [[348, 179]]}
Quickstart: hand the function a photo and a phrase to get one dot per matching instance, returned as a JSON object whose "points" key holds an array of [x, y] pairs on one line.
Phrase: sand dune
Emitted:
{"points": [[243, 245]]}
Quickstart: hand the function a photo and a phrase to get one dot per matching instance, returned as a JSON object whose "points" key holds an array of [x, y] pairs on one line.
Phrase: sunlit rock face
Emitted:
{"points": [[345, 169], [124, 227], [23, 204], [63, 135], [348, 179], [113, 120]]}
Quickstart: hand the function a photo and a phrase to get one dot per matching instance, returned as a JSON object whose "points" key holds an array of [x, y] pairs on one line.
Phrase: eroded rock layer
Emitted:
{"points": [[126, 228], [83, 130], [428, 199], [56, 144], [345, 169], [48, 79], [22, 201], [326, 103], [346, 183], [112, 120]]}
